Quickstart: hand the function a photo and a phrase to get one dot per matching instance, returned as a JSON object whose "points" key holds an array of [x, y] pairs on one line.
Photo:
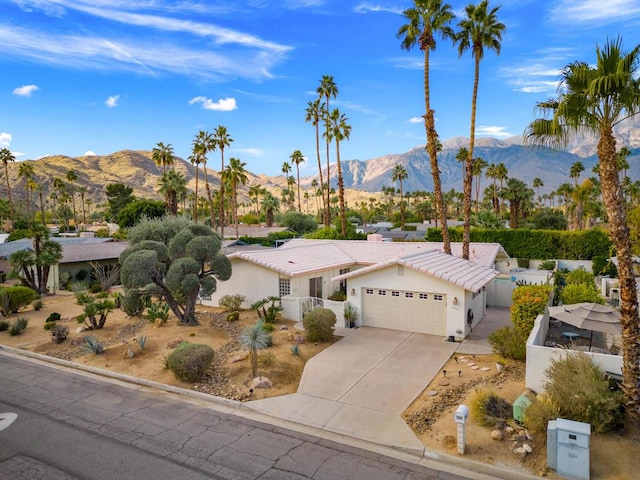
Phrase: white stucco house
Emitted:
{"points": [[411, 286]]}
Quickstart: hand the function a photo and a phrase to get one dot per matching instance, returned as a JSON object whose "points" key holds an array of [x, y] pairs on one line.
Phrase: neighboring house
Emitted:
{"points": [[409, 286], [254, 231]]}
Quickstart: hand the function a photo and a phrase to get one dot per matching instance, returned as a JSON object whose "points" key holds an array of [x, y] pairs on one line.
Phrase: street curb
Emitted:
{"points": [[429, 459]]}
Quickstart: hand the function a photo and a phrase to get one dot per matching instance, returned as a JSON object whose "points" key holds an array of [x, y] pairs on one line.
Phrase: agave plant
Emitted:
{"points": [[93, 344]]}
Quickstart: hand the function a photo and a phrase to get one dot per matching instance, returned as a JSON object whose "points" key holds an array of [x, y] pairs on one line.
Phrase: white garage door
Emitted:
{"points": [[422, 312]]}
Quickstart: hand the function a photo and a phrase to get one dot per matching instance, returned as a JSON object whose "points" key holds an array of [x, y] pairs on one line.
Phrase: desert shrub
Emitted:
{"points": [[295, 350], [132, 304], [95, 288], [158, 311], [337, 296], [18, 326], [92, 344], [19, 297], [319, 324], [268, 327], [232, 302], [38, 304], [538, 413], [267, 309], [49, 325], [142, 341], [547, 265], [580, 292], [95, 313], [488, 409], [53, 317], [233, 316], [529, 301], [580, 391], [267, 358], [4, 325], [509, 342], [190, 361], [59, 333]]}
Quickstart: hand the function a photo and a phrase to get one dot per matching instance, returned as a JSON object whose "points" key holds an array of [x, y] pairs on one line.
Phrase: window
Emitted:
{"points": [[205, 298], [437, 298], [284, 286], [408, 294], [382, 292], [395, 294], [369, 291], [424, 296]]}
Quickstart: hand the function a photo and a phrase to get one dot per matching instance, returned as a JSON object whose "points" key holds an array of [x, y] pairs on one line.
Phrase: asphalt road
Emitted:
{"points": [[74, 426]]}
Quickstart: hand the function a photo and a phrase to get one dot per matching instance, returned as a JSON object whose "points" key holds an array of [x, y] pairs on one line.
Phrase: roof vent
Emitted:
{"points": [[374, 237]]}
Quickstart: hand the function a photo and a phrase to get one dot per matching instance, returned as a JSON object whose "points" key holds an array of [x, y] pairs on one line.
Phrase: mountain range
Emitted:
{"points": [[137, 169]]}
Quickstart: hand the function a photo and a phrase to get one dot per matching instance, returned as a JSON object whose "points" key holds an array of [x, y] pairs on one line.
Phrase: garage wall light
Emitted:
{"points": [[353, 292], [455, 300]]}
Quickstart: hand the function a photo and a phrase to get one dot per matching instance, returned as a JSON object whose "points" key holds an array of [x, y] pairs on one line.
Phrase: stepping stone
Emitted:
{"points": [[471, 364], [485, 369], [475, 368], [432, 393], [443, 383]]}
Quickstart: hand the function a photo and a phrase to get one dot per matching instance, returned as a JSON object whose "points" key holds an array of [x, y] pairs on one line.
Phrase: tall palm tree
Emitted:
{"points": [[254, 193], [398, 174], [574, 172], [339, 131], [517, 193], [537, 184], [492, 173], [296, 159], [236, 175], [203, 144], [314, 187], [163, 155], [426, 20], [25, 170], [196, 158], [326, 90], [83, 191], [172, 185], [286, 169], [461, 157], [622, 162], [6, 156], [221, 140], [270, 205], [478, 166], [480, 29], [313, 115], [71, 178], [597, 98]]}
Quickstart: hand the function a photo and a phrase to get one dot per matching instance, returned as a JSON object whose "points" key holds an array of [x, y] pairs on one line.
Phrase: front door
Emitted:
{"points": [[315, 287]]}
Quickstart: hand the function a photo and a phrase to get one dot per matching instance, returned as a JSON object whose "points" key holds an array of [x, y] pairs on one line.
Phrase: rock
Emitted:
{"points": [[475, 367], [128, 353], [529, 436], [80, 329], [158, 323], [298, 339], [528, 448], [509, 430], [174, 343], [284, 327], [240, 357], [521, 452], [432, 393], [497, 435], [261, 382], [485, 369], [443, 383], [520, 438], [515, 445]]}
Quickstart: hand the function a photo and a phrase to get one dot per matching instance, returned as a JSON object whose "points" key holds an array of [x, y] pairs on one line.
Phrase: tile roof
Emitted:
{"points": [[8, 248], [92, 252]]}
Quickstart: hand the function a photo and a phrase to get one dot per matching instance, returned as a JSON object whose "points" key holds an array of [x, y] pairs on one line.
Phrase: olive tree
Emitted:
{"points": [[174, 258]]}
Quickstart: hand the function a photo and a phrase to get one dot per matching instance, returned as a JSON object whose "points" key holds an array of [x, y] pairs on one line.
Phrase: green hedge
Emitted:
{"points": [[537, 244], [529, 301]]}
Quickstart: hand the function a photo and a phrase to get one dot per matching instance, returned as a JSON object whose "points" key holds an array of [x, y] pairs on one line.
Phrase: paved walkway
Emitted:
{"points": [[476, 342]]}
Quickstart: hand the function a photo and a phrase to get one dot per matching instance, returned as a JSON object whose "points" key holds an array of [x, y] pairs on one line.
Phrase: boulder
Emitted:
{"points": [[240, 357], [298, 339], [260, 382], [528, 448], [497, 435], [521, 452], [284, 327], [509, 430], [80, 329], [128, 353]]}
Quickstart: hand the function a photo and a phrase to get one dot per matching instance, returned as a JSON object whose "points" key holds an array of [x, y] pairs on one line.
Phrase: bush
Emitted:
{"points": [[4, 325], [267, 358], [488, 409], [547, 265], [158, 311], [580, 391], [190, 361], [509, 342], [319, 324], [232, 302], [19, 297], [18, 326], [53, 317], [529, 301], [580, 276], [233, 316], [132, 304], [298, 222], [92, 344], [268, 327], [49, 325], [38, 304], [538, 413], [577, 293], [59, 333], [337, 296]]}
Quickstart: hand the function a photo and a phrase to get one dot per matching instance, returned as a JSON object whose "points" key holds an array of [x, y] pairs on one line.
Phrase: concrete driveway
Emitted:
{"points": [[376, 368]]}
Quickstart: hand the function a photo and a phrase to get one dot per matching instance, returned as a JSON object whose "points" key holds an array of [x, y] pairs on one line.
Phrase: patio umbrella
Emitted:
{"points": [[589, 316]]}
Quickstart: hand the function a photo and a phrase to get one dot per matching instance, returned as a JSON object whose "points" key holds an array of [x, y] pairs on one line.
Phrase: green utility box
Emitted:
{"points": [[519, 406]]}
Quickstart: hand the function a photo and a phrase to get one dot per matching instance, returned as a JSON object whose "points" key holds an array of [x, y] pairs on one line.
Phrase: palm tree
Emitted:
{"points": [[196, 158], [398, 174], [492, 173], [596, 99], [537, 183], [83, 191], [236, 175], [221, 139], [255, 338], [296, 159], [622, 162], [461, 157], [25, 170], [314, 187], [6, 156], [327, 89], [71, 178], [518, 194], [574, 172], [286, 169], [172, 185], [203, 144], [313, 114], [339, 130], [425, 20], [480, 29], [478, 165], [162, 155], [270, 205]]}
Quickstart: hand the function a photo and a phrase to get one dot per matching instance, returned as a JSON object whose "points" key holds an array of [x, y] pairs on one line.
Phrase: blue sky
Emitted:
{"points": [[100, 76]]}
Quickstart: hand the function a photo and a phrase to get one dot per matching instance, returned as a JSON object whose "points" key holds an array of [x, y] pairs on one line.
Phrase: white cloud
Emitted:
{"points": [[89, 153], [222, 105], [493, 131], [254, 152], [367, 7], [594, 12], [416, 120], [25, 90], [112, 101], [5, 139]]}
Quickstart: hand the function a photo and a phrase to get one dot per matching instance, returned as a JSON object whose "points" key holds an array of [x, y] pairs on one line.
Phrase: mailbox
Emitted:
{"points": [[461, 414]]}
